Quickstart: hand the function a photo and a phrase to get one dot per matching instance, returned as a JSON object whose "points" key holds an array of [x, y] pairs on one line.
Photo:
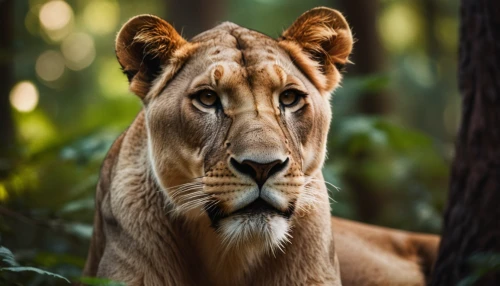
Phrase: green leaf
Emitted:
{"points": [[93, 281], [7, 256], [375, 83], [32, 269], [469, 280], [482, 263]]}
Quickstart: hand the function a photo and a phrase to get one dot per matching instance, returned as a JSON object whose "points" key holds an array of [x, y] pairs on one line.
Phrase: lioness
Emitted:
{"points": [[218, 180]]}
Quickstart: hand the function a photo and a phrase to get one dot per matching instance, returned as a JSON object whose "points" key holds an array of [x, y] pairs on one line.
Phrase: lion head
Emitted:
{"points": [[237, 121]]}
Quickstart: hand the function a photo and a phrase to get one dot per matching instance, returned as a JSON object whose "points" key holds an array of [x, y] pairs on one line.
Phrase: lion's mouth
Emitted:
{"points": [[257, 207]]}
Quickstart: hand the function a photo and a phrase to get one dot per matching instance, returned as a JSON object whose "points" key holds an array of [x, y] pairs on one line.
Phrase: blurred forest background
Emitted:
{"points": [[63, 100]]}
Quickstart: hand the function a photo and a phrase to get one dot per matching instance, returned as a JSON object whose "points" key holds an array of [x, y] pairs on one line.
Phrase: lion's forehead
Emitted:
{"points": [[230, 42]]}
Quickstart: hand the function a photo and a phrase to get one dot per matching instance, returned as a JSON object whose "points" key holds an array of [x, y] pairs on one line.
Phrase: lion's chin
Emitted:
{"points": [[261, 231]]}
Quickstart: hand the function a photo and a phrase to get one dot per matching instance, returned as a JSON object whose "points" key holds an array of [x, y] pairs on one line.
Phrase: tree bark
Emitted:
{"points": [[192, 17], [7, 138], [472, 217]]}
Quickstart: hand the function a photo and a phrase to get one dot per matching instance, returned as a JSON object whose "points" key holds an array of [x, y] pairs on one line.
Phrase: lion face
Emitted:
{"points": [[237, 121]]}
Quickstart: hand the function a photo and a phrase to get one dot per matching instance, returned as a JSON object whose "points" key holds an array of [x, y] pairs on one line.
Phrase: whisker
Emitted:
{"points": [[185, 191], [211, 204], [185, 184], [191, 195], [311, 179], [184, 187]]}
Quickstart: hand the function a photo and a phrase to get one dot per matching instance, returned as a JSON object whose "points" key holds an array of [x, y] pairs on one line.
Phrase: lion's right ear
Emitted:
{"points": [[143, 46], [323, 35]]}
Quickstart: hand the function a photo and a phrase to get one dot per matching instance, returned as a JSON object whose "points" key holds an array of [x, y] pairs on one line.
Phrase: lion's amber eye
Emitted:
{"points": [[207, 97], [289, 98]]}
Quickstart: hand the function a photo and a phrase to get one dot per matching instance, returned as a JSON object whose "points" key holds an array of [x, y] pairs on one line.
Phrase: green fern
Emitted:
{"points": [[12, 265]]}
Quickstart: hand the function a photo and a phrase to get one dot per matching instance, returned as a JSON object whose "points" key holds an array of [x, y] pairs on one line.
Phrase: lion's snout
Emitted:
{"points": [[259, 172]]}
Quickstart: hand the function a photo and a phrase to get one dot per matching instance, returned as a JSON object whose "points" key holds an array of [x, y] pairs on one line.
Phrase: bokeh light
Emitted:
{"points": [[78, 50], [56, 19], [3, 193], [112, 82], [32, 21], [39, 130], [399, 23], [55, 15], [101, 17], [447, 33], [50, 65], [24, 96]]}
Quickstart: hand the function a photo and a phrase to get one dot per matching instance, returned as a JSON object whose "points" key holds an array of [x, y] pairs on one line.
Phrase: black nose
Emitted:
{"points": [[258, 171]]}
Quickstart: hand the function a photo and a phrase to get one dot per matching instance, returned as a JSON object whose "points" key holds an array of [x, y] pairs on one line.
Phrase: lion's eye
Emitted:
{"points": [[290, 98], [207, 98]]}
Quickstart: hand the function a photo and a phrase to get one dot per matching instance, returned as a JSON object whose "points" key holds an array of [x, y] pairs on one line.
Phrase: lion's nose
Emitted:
{"points": [[258, 171]]}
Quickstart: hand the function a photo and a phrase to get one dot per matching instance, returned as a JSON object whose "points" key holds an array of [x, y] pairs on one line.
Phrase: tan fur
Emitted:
{"points": [[170, 193], [371, 255]]}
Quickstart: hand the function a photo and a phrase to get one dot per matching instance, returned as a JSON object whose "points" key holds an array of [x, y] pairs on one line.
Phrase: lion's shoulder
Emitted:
{"points": [[98, 240]]}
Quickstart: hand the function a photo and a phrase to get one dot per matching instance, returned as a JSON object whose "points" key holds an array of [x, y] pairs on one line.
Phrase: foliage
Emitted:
{"points": [[9, 264], [12, 266], [92, 281], [364, 150], [481, 265], [51, 228]]}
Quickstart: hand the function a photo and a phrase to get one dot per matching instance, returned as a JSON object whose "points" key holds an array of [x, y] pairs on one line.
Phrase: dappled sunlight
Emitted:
{"points": [[55, 15], [101, 17], [49, 65], [24, 96], [56, 19], [112, 82], [399, 26], [78, 50], [37, 130], [22, 181], [3, 193], [32, 21], [447, 33]]}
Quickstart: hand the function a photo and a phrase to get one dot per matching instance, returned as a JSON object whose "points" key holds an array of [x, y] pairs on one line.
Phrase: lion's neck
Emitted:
{"points": [[178, 249]]}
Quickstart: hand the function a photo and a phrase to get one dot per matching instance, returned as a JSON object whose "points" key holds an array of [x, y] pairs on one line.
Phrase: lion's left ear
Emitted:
{"points": [[325, 37], [144, 45]]}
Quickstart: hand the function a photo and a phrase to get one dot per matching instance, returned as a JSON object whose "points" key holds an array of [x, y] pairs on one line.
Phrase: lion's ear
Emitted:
{"points": [[324, 35], [144, 44]]}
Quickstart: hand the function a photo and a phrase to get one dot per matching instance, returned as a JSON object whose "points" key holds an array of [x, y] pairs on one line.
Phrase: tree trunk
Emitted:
{"points": [[472, 217], [7, 138], [192, 17]]}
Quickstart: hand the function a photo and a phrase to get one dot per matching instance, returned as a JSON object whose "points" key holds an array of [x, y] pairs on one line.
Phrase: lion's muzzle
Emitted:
{"points": [[259, 172]]}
